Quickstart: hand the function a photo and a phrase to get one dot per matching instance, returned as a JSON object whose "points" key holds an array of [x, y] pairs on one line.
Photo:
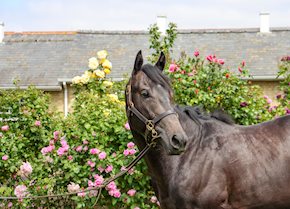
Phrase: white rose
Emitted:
{"points": [[93, 63], [99, 73], [102, 54], [76, 80], [72, 187]]}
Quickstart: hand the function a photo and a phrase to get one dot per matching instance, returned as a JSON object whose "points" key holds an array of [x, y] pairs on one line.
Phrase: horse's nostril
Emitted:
{"points": [[177, 142]]}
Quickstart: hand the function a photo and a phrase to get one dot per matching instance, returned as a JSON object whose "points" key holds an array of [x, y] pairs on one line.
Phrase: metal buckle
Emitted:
{"points": [[154, 133], [131, 104], [149, 125]]}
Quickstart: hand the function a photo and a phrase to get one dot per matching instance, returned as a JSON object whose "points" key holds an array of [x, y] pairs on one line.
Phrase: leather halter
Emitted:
{"points": [[150, 124]]}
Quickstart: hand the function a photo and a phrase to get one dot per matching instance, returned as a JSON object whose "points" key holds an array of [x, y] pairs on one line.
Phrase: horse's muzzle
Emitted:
{"points": [[178, 143]]}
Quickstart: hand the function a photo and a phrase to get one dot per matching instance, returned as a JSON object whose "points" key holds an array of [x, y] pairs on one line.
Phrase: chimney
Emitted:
{"points": [[264, 22], [162, 24], [1, 31]]}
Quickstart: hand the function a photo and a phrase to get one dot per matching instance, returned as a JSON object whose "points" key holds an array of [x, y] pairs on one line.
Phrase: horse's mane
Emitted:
{"points": [[197, 112]]}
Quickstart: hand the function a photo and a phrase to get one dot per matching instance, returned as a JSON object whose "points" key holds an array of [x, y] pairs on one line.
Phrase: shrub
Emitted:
{"points": [[206, 82], [26, 126], [284, 71], [45, 155]]}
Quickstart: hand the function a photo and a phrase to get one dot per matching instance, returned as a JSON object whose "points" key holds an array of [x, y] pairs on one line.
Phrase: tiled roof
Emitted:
{"points": [[42, 58]]}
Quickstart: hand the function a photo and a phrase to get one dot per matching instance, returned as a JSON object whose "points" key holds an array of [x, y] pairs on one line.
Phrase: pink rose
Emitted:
{"points": [[81, 194], [94, 151], [172, 68], [210, 58], [20, 191], [221, 61], [5, 128], [25, 169], [102, 155], [37, 123], [196, 53], [131, 192], [126, 152], [91, 163], [132, 151], [85, 142], [56, 135], [5, 157], [130, 145], [91, 184], [61, 151], [101, 169], [116, 193], [109, 169], [127, 126], [70, 157], [98, 180], [79, 148], [111, 186]]}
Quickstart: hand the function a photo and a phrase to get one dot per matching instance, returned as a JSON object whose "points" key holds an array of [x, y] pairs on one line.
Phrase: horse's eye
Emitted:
{"points": [[144, 93]]}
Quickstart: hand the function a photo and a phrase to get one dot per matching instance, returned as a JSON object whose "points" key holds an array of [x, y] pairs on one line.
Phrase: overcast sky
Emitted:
{"points": [[60, 15]]}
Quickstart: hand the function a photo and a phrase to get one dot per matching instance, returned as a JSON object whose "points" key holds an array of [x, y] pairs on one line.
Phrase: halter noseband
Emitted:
{"points": [[150, 124]]}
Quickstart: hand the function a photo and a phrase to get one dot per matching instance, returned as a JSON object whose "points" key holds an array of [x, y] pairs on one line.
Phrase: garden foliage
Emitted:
{"points": [[208, 83], [42, 153]]}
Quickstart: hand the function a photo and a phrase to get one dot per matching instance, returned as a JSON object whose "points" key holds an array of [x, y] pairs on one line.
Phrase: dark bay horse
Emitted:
{"points": [[206, 161]]}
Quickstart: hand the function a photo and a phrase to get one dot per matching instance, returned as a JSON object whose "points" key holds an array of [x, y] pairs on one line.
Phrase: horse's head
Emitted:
{"points": [[150, 106]]}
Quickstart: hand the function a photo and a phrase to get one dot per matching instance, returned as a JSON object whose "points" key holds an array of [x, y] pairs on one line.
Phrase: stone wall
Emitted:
{"points": [[270, 88]]}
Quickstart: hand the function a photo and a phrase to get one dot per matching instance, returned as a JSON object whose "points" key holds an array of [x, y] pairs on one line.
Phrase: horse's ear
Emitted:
{"points": [[161, 61], [138, 62]]}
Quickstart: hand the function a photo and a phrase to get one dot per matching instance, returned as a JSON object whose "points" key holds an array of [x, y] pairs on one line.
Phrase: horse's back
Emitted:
{"points": [[259, 166]]}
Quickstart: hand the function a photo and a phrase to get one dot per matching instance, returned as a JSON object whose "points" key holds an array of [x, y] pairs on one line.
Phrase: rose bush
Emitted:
{"points": [[284, 71], [207, 82], [69, 155]]}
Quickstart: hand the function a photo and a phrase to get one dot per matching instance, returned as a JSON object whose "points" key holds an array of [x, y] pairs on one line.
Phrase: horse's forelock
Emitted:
{"points": [[154, 74]]}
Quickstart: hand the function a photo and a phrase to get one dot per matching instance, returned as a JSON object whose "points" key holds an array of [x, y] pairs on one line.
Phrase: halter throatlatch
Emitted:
{"points": [[150, 133]]}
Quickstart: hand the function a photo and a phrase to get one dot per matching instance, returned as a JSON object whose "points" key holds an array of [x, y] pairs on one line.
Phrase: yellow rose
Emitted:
{"points": [[107, 70], [113, 97], [85, 78], [99, 73], [76, 80], [93, 75], [107, 64], [88, 73], [108, 84], [93, 63], [102, 54]]}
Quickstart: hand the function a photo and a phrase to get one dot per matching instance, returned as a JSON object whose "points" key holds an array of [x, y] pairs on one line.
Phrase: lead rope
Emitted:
{"points": [[105, 183]]}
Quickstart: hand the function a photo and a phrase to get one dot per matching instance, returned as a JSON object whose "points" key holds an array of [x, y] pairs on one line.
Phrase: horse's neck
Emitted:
{"points": [[160, 164], [192, 128]]}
